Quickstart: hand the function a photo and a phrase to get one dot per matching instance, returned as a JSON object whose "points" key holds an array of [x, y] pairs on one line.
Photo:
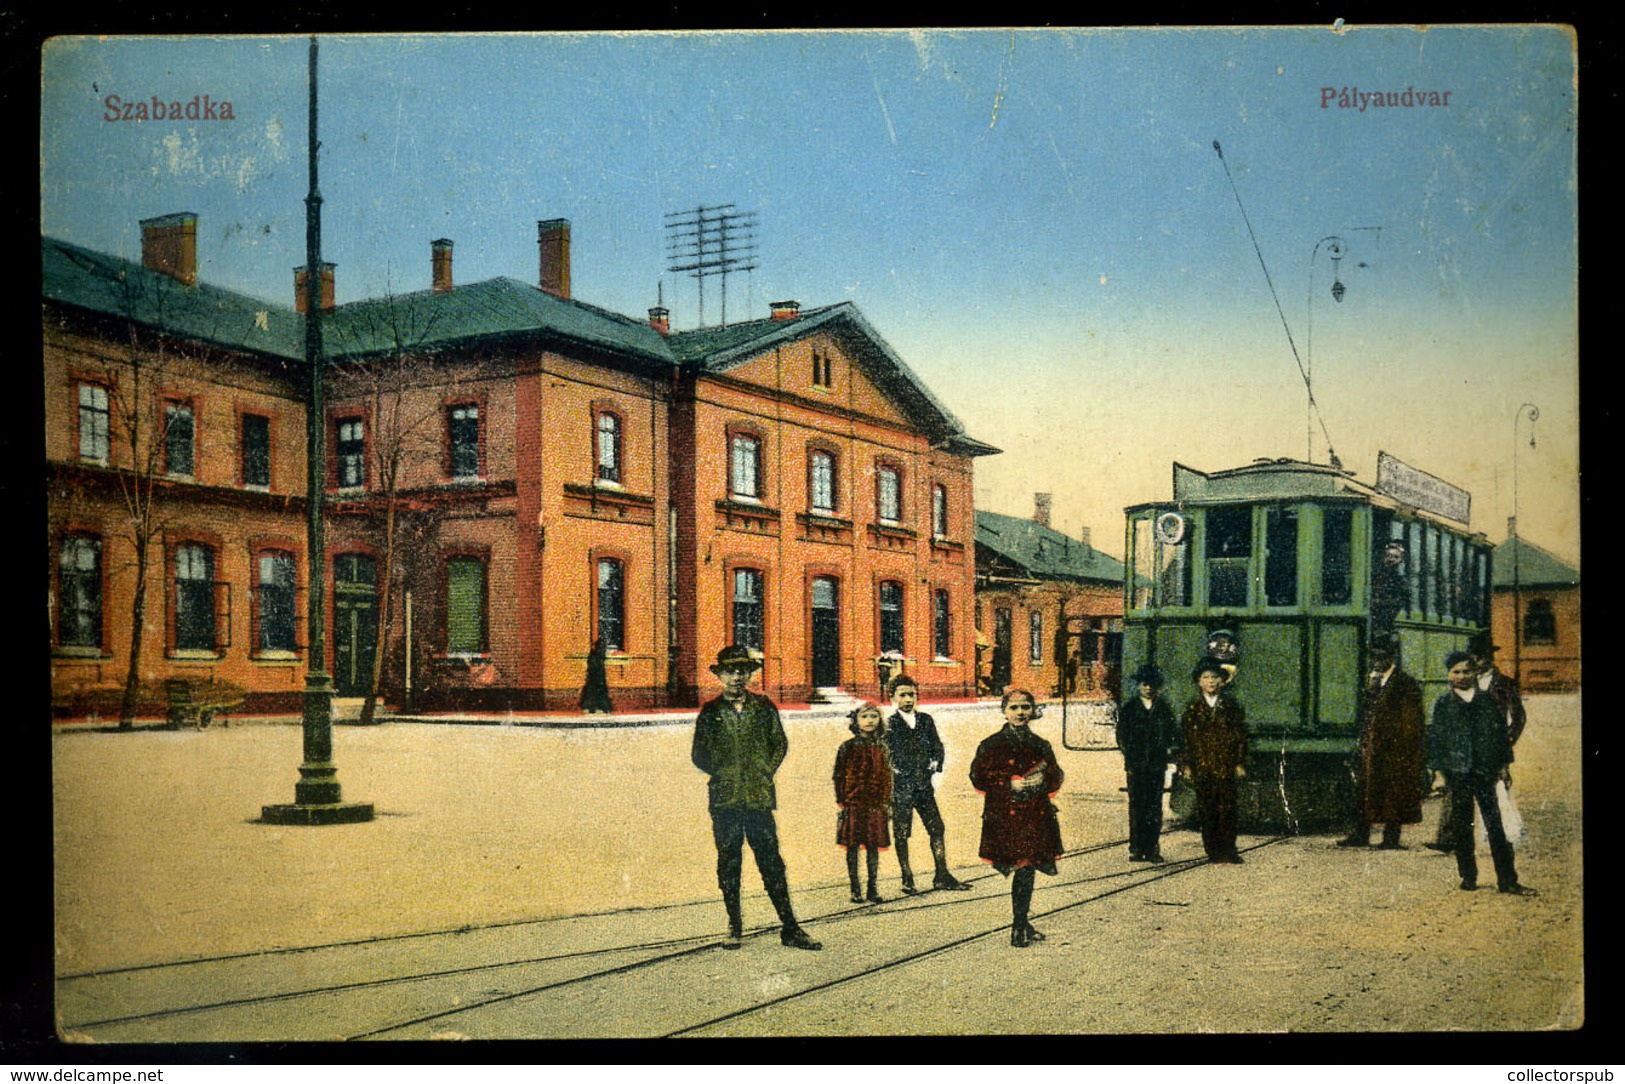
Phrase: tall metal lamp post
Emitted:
{"points": [[1336, 249], [1532, 412], [316, 797]]}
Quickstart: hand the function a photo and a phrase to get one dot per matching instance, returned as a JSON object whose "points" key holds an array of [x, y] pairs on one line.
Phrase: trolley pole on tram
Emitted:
{"points": [[317, 796], [1532, 412]]}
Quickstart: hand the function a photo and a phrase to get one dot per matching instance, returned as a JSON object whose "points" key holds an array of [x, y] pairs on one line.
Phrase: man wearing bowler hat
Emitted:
{"points": [[1213, 757], [739, 742], [1391, 765], [1146, 732]]}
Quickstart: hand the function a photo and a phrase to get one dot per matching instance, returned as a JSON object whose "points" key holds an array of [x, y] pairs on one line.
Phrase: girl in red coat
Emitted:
{"points": [[863, 791], [1016, 771]]}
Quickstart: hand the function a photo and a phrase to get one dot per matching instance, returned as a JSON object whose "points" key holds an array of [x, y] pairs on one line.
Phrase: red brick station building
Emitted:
{"points": [[558, 474]]}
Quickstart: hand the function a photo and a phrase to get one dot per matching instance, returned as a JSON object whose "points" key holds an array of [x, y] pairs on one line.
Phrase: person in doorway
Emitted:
{"points": [[1146, 733], [1389, 771], [1213, 757], [863, 785], [739, 742], [595, 693], [1468, 743], [1016, 772], [916, 753]]}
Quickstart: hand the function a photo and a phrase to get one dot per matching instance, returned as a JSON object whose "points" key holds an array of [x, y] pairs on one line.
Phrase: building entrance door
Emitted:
{"points": [[355, 623], [1001, 650], [826, 632]]}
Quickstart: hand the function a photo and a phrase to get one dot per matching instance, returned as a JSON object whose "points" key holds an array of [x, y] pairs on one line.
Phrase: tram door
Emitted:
{"points": [[826, 632], [1001, 650], [355, 623]]}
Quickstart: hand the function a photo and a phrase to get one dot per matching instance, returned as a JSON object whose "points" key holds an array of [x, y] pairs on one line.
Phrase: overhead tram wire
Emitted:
{"points": [[1308, 386]]}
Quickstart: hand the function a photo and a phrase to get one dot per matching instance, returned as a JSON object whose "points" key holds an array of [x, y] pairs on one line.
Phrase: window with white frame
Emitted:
{"points": [[95, 442], [744, 466]]}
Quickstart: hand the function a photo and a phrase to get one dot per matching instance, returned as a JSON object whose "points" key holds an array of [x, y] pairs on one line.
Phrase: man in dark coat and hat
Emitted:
{"points": [[1213, 757], [1468, 743], [739, 742], [1146, 733], [1389, 774]]}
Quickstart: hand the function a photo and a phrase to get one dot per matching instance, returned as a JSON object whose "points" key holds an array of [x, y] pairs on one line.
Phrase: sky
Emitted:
{"points": [[1035, 220]]}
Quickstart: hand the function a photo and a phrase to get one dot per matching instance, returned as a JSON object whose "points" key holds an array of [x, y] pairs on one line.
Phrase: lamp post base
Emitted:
{"points": [[317, 813]]}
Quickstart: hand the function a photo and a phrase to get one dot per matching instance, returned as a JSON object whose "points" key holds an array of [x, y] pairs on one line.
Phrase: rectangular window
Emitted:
{"points": [[611, 605], [1539, 623], [942, 627], [939, 512], [178, 439], [464, 428], [352, 452], [821, 482], [747, 605], [1229, 544], [1035, 637], [891, 617], [888, 495], [744, 464], [79, 606], [609, 448], [1337, 556], [465, 606], [277, 593], [1281, 556], [194, 599], [94, 440], [256, 450]]}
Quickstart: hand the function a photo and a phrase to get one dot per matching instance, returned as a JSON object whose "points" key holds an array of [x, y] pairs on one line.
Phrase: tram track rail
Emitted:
{"points": [[662, 951]]}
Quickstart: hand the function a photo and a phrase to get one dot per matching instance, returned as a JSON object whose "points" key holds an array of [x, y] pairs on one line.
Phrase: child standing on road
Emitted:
{"points": [[863, 790]]}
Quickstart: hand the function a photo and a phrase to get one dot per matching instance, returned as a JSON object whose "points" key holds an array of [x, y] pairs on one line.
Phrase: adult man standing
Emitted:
{"points": [[1389, 773], [1146, 733], [739, 742], [916, 752], [1213, 757], [1468, 743], [1502, 688]]}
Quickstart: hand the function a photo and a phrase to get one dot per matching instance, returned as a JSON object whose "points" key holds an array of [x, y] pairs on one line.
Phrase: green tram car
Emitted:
{"points": [[1298, 562]]}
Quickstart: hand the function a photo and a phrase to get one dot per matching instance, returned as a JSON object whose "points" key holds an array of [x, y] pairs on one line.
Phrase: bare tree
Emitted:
{"points": [[385, 341]]}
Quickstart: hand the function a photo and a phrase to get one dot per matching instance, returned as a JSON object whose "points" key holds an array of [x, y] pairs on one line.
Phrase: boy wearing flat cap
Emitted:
{"points": [[1146, 734], [739, 742], [1212, 758]]}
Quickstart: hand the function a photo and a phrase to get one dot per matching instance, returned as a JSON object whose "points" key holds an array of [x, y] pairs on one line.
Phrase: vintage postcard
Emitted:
{"points": [[813, 533]]}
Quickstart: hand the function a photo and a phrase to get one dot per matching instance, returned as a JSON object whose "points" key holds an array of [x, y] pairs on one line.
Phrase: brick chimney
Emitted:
{"points": [[784, 310], [1083, 536], [169, 246], [553, 238], [440, 264], [299, 288], [1041, 503], [660, 319]]}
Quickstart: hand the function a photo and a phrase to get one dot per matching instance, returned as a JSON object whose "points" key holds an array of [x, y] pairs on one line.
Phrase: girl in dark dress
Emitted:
{"points": [[1016, 771], [863, 791]]}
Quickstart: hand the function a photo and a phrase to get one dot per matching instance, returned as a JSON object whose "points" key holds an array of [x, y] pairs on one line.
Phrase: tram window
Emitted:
{"points": [[1142, 572], [1337, 557], [1229, 545], [1281, 557]]}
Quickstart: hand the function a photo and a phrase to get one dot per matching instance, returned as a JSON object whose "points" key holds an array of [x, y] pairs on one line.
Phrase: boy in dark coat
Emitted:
{"points": [[1389, 771], [739, 742], [1468, 743], [1146, 733], [916, 752], [1213, 757]]}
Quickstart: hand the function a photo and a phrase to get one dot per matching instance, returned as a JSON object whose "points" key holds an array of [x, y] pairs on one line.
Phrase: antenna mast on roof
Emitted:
{"points": [[711, 241]]}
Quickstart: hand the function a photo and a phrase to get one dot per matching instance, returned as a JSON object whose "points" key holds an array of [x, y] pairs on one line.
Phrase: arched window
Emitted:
{"points": [[79, 598], [609, 447], [463, 438], [95, 442], [942, 626], [352, 453], [939, 511], [611, 604], [277, 589], [1035, 637], [821, 481], [745, 465], [888, 494], [194, 598], [179, 436], [747, 608], [891, 616]]}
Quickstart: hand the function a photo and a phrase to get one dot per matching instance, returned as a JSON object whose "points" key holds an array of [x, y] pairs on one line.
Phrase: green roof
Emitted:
{"points": [[1535, 567], [1042, 552], [501, 306], [116, 287]]}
